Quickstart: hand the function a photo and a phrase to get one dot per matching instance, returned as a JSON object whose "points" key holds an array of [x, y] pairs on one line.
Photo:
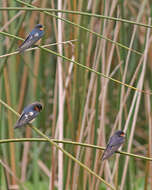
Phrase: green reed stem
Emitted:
{"points": [[86, 29], [76, 13], [73, 143], [82, 66], [61, 149]]}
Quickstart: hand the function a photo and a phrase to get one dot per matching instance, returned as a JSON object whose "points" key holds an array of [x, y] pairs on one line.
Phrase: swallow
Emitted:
{"points": [[114, 143], [32, 38], [28, 115]]}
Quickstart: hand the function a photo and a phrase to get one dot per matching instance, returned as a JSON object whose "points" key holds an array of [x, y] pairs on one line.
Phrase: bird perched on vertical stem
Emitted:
{"points": [[32, 38], [28, 115], [114, 143]]}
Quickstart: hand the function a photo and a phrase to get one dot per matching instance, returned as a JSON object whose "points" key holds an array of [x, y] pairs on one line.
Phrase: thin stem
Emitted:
{"points": [[82, 66], [98, 73], [61, 149], [70, 156], [86, 29], [77, 13], [35, 48], [73, 143]]}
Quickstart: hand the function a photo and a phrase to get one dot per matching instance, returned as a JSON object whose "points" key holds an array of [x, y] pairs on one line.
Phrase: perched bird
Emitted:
{"points": [[28, 115], [32, 38], [114, 143]]}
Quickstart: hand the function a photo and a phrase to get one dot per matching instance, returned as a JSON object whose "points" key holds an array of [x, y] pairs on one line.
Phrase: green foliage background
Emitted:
{"points": [[102, 80]]}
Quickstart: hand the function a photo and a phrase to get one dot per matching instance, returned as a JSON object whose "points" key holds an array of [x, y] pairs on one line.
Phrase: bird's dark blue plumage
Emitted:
{"points": [[114, 143], [29, 113], [32, 38]]}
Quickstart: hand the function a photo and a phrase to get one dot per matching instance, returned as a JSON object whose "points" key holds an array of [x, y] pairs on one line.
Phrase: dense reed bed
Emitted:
{"points": [[92, 73]]}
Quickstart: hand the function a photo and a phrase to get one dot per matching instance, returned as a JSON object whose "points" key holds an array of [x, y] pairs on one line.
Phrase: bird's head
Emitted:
{"points": [[37, 107], [121, 134], [39, 26]]}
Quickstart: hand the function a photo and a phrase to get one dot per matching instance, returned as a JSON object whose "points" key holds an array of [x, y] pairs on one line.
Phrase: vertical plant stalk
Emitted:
{"points": [[71, 157], [54, 128], [53, 155], [96, 61], [122, 96], [93, 87], [10, 123], [25, 154], [61, 103], [37, 53], [22, 94], [77, 19], [59, 148], [8, 169], [124, 101], [149, 118], [136, 99], [22, 90], [11, 20], [103, 108], [102, 96], [128, 58], [8, 98]]}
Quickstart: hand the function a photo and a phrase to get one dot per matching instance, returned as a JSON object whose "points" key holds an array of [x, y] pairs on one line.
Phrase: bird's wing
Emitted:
{"points": [[29, 38], [25, 119], [115, 140], [113, 145], [110, 150], [32, 38]]}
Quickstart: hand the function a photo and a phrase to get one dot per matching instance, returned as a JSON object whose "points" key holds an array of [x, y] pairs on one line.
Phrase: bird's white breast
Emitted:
{"points": [[36, 34]]}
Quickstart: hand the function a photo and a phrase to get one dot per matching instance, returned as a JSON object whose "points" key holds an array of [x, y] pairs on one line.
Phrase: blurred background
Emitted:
{"points": [[79, 105]]}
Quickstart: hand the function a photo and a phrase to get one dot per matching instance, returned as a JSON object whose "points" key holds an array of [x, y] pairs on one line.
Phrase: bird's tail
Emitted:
{"points": [[17, 126]]}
